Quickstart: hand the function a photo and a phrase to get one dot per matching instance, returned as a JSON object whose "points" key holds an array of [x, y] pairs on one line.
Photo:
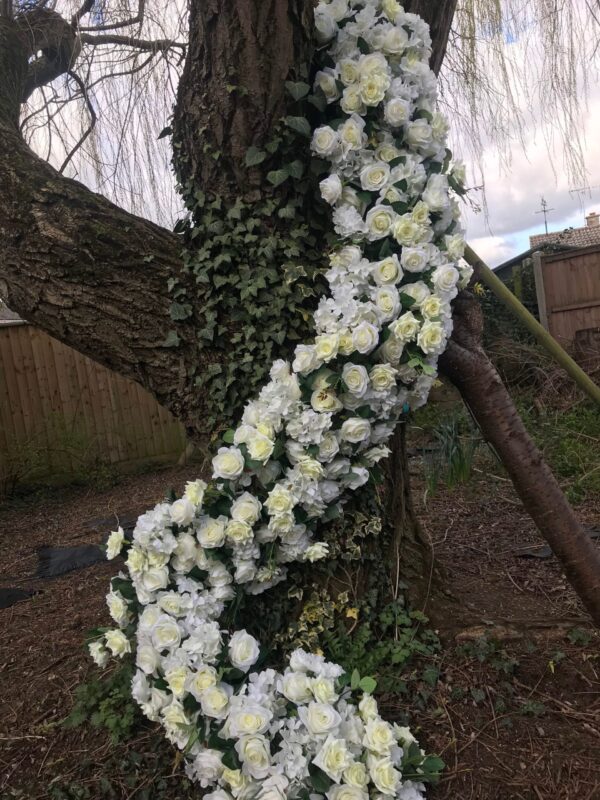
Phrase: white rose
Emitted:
{"points": [[436, 194], [176, 678], [356, 379], [406, 327], [99, 653], [433, 306], [114, 543], [260, 447], [346, 343], [305, 359], [228, 463], [325, 25], [379, 736], [395, 41], [155, 578], [351, 133], [239, 532], [391, 350], [182, 511], [194, 491], [405, 230], [365, 337], [420, 213], [117, 608], [387, 300], [326, 81], [347, 792], [387, 271], [331, 191], [147, 658], [211, 532], [208, 767], [419, 134], [243, 650], [356, 430], [117, 642], [165, 633], [379, 222], [246, 508], [203, 677], [318, 550], [391, 8], [419, 292], [215, 701], [356, 775], [329, 447], [397, 112], [311, 468], [384, 776], [352, 102], [245, 571], [255, 755], [333, 758], [368, 707], [323, 400], [249, 719], [280, 500], [319, 718], [348, 71], [296, 687], [445, 279], [414, 259], [325, 141], [374, 177], [383, 377], [324, 690], [431, 338]]}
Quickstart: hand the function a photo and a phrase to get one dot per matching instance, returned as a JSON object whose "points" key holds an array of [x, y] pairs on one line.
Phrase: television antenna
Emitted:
{"points": [[581, 193], [545, 211]]}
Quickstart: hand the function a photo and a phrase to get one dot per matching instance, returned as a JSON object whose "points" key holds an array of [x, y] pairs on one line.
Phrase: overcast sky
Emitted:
{"points": [[514, 195]]}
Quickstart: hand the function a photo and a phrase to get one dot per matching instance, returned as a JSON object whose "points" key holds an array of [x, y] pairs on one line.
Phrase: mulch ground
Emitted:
{"points": [[514, 715]]}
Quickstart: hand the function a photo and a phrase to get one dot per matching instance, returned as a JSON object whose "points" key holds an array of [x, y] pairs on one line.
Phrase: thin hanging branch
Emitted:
{"points": [[93, 119]]}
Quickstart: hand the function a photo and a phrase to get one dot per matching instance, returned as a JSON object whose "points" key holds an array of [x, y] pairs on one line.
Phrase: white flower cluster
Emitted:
{"points": [[315, 433]]}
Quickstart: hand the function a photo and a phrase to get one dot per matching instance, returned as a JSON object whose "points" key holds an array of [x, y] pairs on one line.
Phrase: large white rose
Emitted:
{"points": [[374, 177], [202, 677], [117, 643], [379, 736], [243, 650], [325, 141], [115, 543], [296, 687], [246, 508], [331, 191], [436, 194], [432, 337], [305, 359], [211, 532], [379, 222], [365, 337], [324, 689], [248, 719], [280, 500], [182, 511], [255, 755], [445, 280], [406, 327], [356, 379], [397, 111], [99, 653], [165, 633], [387, 271], [383, 775], [347, 792], [383, 377], [194, 491], [414, 259], [387, 300], [215, 701], [333, 758], [356, 775], [228, 463], [320, 718], [208, 767]]}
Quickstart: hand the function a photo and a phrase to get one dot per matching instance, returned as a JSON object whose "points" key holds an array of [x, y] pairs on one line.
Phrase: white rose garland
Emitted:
{"points": [[316, 432]]}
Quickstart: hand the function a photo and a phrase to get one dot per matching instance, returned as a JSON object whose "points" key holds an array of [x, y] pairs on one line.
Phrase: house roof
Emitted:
{"points": [[573, 237]]}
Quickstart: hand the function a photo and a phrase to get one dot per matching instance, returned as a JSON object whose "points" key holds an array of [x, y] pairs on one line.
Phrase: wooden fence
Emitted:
{"points": [[568, 293], [61, 412]]}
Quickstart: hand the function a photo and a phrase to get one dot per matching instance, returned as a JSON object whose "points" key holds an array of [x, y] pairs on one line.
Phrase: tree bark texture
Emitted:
{"points": [[469, 368]]}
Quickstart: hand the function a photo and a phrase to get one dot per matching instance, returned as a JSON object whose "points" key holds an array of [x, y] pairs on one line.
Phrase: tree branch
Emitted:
{"points": [[112, 26], [89, 128], [155, 45], [79, 267]]}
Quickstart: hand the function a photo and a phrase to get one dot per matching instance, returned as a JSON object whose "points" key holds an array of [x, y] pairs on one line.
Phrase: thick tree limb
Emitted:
{"points": [[82, 269], [469, 368]]}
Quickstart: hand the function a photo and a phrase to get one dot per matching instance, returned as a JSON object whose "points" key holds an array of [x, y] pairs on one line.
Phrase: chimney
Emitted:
{"points": [[593, 220]]}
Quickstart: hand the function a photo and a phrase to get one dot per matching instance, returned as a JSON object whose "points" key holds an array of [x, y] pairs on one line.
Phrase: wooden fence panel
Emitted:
{"points": [[568, 286], [66, 410]]}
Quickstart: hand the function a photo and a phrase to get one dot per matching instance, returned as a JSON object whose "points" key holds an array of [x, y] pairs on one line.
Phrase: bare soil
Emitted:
{"points": [[514, 715]]}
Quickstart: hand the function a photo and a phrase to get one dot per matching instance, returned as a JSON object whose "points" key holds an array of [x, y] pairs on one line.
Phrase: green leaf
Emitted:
{"points": [[230, 760], [180, 311], [171, 340], [165, 132], [368, 684], [297, 89], [295, 169], [254, 156], [320, 781], [299, 124], [363, 46], [355, 679], [277, 176]]}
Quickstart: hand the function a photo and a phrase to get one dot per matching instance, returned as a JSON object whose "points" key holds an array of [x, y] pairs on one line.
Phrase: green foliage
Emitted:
{"points": [[450, 457], [387, 645], [490, 651], [252, 266], [106, 702], [570, 443]]}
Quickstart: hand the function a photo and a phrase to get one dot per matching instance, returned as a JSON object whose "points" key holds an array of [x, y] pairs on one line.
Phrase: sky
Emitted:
{"points": [[513, 193]]}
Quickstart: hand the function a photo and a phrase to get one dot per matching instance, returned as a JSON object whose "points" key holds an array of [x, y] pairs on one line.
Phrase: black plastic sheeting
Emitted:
{"points": [[10, 596]]}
